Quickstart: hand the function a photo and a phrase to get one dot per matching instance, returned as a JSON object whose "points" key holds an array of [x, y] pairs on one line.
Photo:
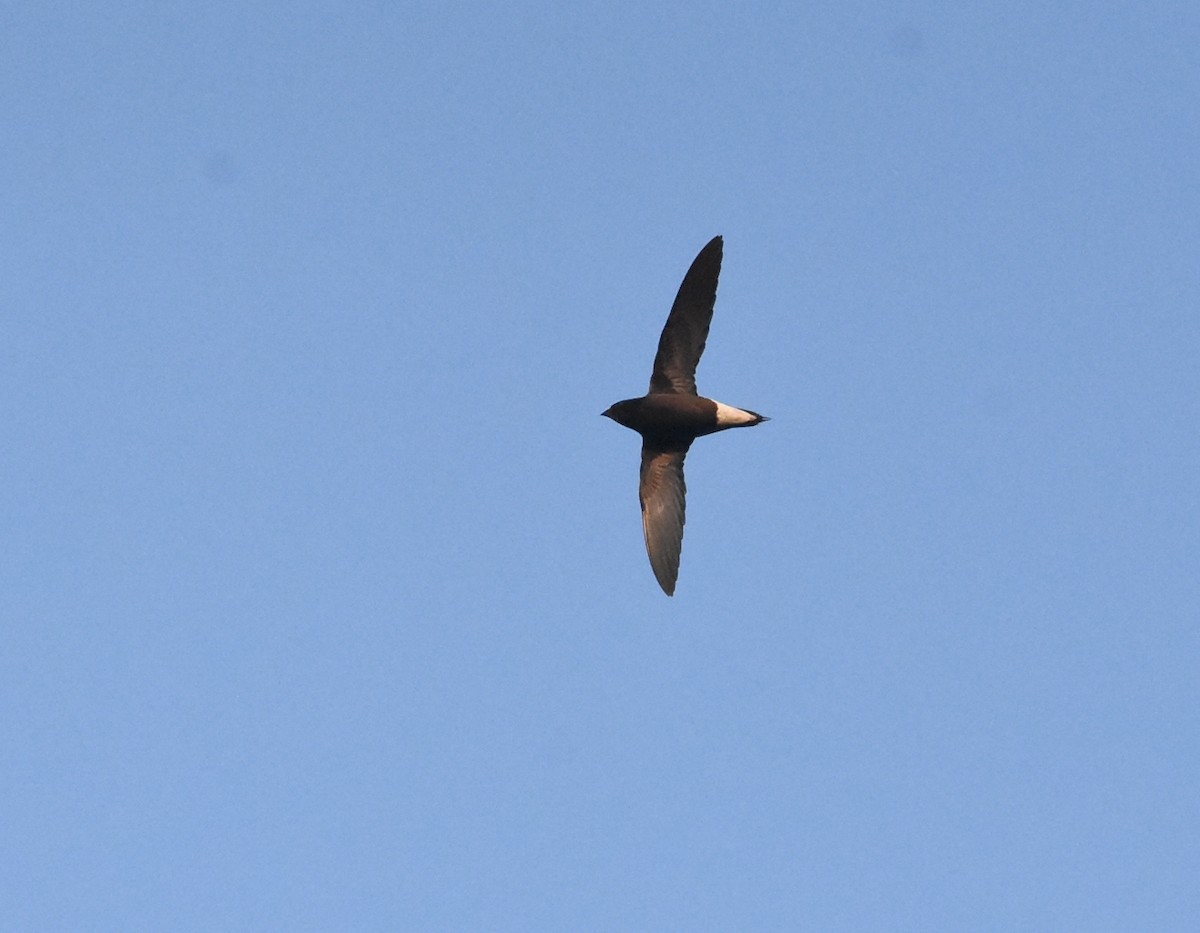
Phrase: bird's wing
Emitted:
{"points": [[662, 492], [686, 330]]}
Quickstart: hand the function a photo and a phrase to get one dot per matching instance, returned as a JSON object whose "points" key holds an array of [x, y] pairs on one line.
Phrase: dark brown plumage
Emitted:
{"points": [[672, 415]]}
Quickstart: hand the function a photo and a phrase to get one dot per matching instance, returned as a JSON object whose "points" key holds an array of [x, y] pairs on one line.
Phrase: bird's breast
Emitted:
{"points": [[669, 415]]}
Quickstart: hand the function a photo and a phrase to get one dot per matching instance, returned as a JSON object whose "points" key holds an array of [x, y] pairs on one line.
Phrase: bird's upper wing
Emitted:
{"points": [[662, 492], [686, 330]]}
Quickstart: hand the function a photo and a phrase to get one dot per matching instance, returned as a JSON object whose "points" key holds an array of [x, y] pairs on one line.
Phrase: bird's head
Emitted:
{"points": [[619, 411]]}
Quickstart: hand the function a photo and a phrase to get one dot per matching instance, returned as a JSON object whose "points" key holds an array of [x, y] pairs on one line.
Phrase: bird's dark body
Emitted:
{"points": [[662, 416], [672, 414]]}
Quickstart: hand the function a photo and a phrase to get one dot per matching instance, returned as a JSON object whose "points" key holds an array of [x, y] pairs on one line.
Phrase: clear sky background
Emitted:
{"points": [[324, 599]]}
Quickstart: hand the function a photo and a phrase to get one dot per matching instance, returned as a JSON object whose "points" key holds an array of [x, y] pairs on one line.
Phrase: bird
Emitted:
{"points": [[672, 414]]}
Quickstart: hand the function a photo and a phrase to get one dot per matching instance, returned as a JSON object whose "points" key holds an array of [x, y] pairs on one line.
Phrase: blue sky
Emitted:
{"points": [[325, 602]]}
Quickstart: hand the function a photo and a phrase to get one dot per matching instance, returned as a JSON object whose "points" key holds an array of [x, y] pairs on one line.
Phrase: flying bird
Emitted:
{"points": [[672, 414]]}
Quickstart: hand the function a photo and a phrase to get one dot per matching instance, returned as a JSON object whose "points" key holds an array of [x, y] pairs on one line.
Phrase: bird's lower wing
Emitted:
{"points": [[662, 492]]}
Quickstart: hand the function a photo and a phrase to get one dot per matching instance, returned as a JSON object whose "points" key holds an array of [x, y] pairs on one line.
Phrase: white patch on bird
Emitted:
{"points": [[730, 417]]}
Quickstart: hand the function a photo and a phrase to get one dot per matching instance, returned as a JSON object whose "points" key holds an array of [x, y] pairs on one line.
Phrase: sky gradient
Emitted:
{"points": [[324, 600]]}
